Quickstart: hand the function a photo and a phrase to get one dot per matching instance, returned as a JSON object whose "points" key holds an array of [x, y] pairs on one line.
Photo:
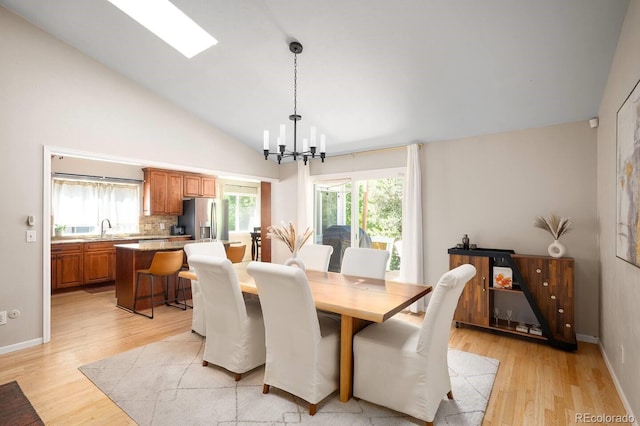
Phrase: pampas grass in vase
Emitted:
{"points": [[292, 239], [557, 227]]}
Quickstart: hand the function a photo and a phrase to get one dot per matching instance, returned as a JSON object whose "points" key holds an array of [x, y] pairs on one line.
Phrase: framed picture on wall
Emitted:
{"points": [[628, 179]]}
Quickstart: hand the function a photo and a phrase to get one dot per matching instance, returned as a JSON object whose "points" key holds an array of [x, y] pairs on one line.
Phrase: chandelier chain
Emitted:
{"points": [[295, 84]]}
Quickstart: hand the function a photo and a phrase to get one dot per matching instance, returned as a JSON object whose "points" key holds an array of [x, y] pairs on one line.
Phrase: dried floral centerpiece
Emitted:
{"points": [[291, 238], [557, 227]]}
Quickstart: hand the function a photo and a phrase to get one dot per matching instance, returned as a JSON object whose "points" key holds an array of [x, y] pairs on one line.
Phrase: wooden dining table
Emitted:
{"points": [[359, 302]]}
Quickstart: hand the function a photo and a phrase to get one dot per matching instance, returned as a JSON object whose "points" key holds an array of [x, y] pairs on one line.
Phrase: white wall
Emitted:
{"points": [[620, 293], [284, 207], [53, 95]]}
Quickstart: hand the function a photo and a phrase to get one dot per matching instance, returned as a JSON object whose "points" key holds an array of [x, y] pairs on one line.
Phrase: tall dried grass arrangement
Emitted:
{"points": [[288, 235], [556, 226]]}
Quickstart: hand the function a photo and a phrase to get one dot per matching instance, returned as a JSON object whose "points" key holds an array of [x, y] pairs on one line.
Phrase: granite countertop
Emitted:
{"points": [[115, 238], [163, 245]]}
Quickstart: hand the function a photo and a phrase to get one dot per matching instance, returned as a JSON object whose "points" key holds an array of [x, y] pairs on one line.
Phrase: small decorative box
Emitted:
{"points": [[536, 331]]}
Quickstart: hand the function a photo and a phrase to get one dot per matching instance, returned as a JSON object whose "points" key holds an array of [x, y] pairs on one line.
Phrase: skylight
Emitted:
{"points": [[169, 23]]}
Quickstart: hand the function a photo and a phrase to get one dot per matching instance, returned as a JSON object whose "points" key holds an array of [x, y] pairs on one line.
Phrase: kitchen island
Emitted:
{"points": [[134, 256]]}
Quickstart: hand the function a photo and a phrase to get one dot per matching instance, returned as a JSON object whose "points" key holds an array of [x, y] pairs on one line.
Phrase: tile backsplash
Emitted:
{"points": [[150, 225]]}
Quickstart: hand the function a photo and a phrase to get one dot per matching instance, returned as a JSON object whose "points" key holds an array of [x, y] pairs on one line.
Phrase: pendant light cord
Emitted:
{"points": [[295, 84]]}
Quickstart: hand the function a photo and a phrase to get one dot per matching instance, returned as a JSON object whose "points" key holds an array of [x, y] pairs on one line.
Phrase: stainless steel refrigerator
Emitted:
{"points": [[205, 218]]}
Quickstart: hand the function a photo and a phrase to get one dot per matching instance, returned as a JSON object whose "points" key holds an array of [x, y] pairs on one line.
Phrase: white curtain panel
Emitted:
{"points": [[305, 197], [411, 260], [87, 203]]}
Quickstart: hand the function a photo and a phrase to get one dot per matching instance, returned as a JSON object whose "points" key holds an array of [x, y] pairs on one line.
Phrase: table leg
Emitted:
{"points": [[348, 327]]}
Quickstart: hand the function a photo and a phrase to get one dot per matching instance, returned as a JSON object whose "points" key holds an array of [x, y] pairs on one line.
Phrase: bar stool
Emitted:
{"points": [[164, 263], [186, 275], [236, 253]]}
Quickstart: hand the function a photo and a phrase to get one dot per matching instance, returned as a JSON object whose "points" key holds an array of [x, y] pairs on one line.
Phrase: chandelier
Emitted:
{"points": [[309, 147]]}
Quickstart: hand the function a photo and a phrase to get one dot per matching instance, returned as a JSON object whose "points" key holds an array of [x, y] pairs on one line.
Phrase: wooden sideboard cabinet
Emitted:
{"points": [[66, 265], [544, 284], [198, 185], [162, 192]]}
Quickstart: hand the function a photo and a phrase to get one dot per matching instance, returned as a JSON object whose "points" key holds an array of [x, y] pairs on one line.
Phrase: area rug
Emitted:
{"points": [[164, 383], [15, 408]]}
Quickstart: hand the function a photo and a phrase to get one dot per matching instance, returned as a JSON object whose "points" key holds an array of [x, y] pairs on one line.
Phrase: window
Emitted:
{"points": [[244, 210], [374, 203], [79, 206]]}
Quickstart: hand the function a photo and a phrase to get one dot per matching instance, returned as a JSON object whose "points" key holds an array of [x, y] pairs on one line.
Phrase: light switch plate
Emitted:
{"points": [[31, 236]]}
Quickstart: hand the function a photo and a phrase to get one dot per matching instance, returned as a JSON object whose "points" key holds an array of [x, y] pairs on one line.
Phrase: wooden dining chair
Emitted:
{"points": [[410, 359], [163, 264], [302, 346], [364, 262], [235, 327]]}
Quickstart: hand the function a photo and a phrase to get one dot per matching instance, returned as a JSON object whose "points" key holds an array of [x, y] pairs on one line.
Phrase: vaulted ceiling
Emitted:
{"points": [[373, 73]]}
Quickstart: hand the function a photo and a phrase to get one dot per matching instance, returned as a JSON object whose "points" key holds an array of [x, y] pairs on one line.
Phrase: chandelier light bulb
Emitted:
{"points": [[312, 136]]}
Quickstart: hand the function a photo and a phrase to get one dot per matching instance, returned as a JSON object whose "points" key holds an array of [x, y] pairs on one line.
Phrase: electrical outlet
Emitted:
{"points": [[3, 317], [161, 225]]}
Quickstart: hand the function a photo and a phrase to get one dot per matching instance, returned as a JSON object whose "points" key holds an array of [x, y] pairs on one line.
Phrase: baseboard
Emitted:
{"points": [[21, 345], [616, 383], [587, 338]]}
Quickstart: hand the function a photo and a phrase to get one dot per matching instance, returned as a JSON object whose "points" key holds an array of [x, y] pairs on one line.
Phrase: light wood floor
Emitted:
{"points": [[535, 385]]}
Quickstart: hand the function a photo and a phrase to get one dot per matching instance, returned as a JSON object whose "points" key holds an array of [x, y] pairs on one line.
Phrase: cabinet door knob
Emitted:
{"points": [[568, 325], [561, 310], [553, 296], [546, 284], [538, 271], [484, 286]]}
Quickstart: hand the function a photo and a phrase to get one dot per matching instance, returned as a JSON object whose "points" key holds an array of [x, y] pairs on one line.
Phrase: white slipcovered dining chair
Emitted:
{"points": [[235, 328], [315, 257], [216, 249], [364, 262], [302, 346], [403, 366]]}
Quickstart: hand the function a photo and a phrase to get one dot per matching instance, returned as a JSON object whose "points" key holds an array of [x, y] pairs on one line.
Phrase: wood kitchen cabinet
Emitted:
{"points": [[66, 265], [198, 185], [546, 284], [162, 192], [99, 262]]}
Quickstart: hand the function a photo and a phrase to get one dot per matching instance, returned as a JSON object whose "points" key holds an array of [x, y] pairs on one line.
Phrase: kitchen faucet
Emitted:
{"points": [[102, 230]]}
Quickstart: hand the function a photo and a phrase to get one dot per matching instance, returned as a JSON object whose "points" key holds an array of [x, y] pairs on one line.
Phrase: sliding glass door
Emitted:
{"points": [[375, 205]]}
